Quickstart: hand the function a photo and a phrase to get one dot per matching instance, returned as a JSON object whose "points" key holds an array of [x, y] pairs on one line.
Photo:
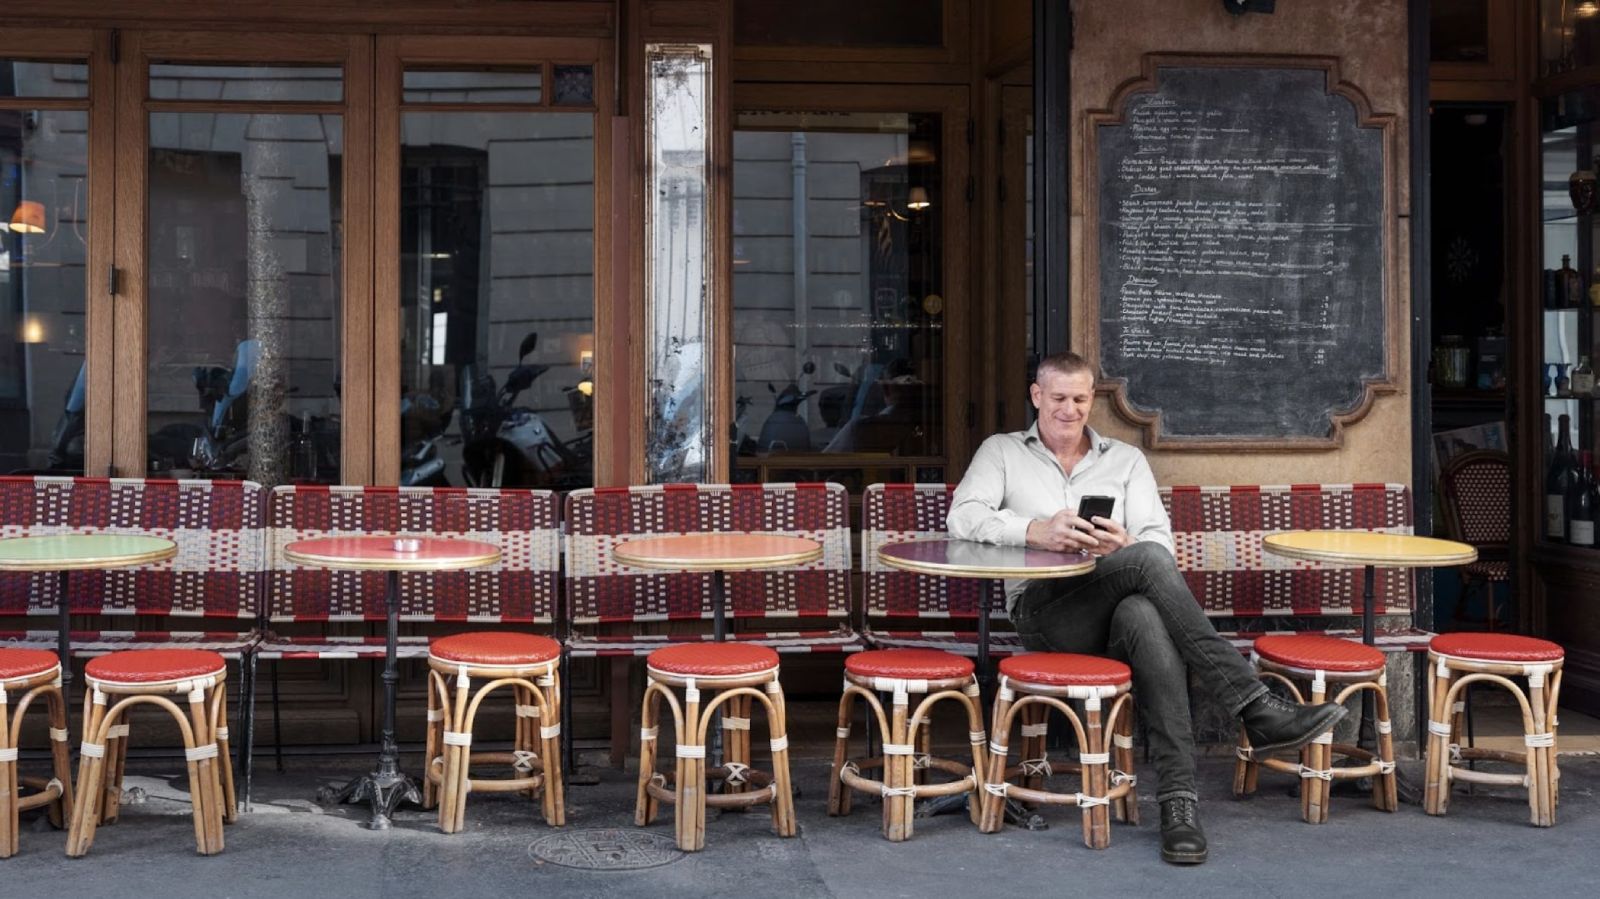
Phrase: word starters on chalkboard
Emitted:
{"points": [[1243, 265]]}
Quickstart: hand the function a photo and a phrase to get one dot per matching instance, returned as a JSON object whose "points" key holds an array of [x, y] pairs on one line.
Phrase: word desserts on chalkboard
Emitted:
{"points": [[1244, 279]]}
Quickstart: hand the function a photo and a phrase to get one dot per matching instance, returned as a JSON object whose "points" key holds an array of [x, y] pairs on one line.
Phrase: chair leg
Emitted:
{"points": [[451, 781], [1128, 805], [91, 768], [783, 816], [555, 794], [219, 727], [994, 802], [897, 772], [838, 793], [1097, 817], [60, 756], [690, 810], [432, 742], [645, 806], [1436, 787], [247, 711], [1385, 793], [8, 783], [619, 709], [277, 721], [204, 785], [116, 765]]}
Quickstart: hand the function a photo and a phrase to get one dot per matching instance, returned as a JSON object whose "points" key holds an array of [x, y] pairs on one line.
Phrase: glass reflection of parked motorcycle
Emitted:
{"points": [[223, 444], [420, 463], [167, 446], [508, 445]]}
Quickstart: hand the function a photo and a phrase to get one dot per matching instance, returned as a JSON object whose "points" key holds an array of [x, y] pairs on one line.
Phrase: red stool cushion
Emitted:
{"points": [[713, 659], [1319, 653], [908, 664], [1497, 647], [155, 665], [26, 662], [495, 648], [1065, 669]]}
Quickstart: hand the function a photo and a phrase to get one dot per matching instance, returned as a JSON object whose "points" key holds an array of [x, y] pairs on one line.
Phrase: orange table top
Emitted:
{"points": [[75, 552], [387, 552], [965, 558], [1365, 548], [717, 552]]}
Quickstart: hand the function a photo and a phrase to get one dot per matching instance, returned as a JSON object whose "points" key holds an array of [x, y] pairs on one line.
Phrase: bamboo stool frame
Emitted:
{"points": [[907, 741], [743, 786], [1542, 776], [1100, 789], [536, 750], [1315, 766], [56, 792], [103, 755]]}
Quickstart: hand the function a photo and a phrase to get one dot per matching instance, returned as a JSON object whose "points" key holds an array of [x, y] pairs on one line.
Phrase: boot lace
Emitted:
{"points": [[1180, 813]]}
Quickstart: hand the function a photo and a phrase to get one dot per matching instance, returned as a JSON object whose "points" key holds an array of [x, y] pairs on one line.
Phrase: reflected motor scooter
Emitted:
{"points": [[509, 445]]}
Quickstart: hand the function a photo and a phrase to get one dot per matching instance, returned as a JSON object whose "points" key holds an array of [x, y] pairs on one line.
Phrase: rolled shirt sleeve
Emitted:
{"points": [[1147, 519]]}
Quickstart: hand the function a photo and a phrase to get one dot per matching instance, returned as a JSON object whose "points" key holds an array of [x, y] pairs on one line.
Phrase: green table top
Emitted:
{"points": [[64, 552]]}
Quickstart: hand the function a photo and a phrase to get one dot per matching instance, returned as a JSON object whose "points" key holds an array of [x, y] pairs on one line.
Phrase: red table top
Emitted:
{"points": [[717, 552], [378, 552], [964, 558]]}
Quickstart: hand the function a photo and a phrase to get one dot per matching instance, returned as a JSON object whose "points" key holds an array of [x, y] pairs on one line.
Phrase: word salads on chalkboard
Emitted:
{"points": [[1241, 253]]}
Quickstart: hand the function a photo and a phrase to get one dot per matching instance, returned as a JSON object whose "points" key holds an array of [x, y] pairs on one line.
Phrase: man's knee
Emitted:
{"points": [[1149, 555], [1136, 616]]}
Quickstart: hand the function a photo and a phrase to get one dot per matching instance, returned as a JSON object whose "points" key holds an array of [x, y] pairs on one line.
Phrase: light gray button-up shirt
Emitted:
{"points": [[1014, 479]]}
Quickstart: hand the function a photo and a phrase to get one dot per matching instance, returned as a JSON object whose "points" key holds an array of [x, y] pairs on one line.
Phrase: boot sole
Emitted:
{"points": [[1183, 858], [1321, 726]]}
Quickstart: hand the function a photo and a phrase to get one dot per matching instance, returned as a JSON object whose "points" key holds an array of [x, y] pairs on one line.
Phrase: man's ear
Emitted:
{"points": [[1035, 393]]}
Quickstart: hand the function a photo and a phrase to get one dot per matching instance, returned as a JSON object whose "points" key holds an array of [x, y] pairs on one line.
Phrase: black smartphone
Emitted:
{"points": [[1092, 507]]}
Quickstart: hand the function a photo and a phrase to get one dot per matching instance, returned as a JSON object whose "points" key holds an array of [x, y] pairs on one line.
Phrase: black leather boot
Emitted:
{"points": [[1272, 722], [1182, 840]]}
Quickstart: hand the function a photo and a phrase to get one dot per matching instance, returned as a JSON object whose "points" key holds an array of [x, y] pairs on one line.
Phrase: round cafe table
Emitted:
{"points": [[967, 559], [387, 787], [1370, 551], [718, 554], [65, 553]]}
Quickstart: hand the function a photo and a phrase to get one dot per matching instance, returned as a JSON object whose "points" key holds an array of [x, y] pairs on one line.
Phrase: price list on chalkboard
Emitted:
{"points": [[1241, 252]]}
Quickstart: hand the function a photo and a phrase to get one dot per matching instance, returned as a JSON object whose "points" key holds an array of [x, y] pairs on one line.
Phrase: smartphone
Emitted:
{"points": [[1091, 507]]}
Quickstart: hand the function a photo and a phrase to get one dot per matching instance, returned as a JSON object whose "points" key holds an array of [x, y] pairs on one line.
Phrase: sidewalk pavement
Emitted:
{"points": [[289, 847]]}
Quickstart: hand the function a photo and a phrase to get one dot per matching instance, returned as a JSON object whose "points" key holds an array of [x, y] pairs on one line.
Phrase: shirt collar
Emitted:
{"points": [[1097, 444]]}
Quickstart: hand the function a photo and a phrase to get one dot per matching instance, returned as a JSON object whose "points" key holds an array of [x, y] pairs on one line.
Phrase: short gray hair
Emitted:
{"points": [[1068, 363]]}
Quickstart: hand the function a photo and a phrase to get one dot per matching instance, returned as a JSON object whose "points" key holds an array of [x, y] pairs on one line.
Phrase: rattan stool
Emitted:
{"points": [[907, 735], [1457, 660], [530, 665], [148, 678], [1030, 685], [29, 674], [736, 674], [1290, 658]]}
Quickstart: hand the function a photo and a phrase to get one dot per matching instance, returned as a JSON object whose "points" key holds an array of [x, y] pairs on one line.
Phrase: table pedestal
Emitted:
{"points": [[387, 786]]}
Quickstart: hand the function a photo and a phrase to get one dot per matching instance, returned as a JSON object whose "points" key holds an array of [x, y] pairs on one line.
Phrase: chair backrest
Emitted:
{"points": [[1218, 530], [1477, 498], [600, 591], [894, 512], [218, 526], [523, 587]]}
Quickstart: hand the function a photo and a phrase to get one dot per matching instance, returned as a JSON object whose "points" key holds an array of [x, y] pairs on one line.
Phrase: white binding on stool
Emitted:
{"points": [[550, 732], [222, 733], [1122, 741], [1095, 758], [528, 711], [976, 736], [897, 749], [199, 753], [685, 751], [648, 733], [92, 750], [58, 734], [8, 755], [456, 738], [778, 744], [117, 732], [1438, 728], [1385, 727], [1035, 730], [731, 723], [436, 714], [1539, 741], [842, 733], [1086, 802]]}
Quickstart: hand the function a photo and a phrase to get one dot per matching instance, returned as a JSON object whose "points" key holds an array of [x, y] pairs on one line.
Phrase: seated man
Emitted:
{"points": [[1022, 488]]}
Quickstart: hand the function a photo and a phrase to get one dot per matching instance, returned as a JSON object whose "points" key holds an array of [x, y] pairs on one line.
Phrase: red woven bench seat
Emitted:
{"points": [[90, 644]]}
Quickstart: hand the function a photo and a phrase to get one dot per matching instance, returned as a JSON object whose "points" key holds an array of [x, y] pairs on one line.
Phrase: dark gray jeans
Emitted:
{"points": [[1135, 607]]}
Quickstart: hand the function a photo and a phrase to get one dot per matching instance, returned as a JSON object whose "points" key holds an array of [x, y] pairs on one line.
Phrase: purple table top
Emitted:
{"points": [[964, 558]]}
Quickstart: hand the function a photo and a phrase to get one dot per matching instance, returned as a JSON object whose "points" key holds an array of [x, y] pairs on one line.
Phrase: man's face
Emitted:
{"points": [[1063, 402]]}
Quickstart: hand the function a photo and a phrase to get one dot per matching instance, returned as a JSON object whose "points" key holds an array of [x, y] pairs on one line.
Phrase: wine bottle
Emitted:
{"points": [[1580, 503], [1557, 480], [1582, 383], [1569, 285]]}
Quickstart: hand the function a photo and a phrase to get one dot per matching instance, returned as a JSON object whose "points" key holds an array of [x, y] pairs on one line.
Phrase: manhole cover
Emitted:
{"points": [[607, 850]]}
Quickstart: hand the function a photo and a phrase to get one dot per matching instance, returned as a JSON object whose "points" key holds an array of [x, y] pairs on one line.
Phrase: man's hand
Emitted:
{"points": [[1062, 532], [1108, 535]]}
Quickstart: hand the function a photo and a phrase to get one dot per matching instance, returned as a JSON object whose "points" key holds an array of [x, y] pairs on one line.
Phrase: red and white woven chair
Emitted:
{"points": [[26, 676], [1476, 489], [1353, 667], [1457, 661]]}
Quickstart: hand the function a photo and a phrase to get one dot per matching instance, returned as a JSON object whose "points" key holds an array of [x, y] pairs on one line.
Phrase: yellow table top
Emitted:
{"points": [[1365, 548], [717, 552], [380, 552], [78, 552]]}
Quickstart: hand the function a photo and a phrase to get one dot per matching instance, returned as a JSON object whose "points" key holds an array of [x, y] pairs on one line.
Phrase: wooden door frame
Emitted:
{"points": [[393, 53], [953, 104], [94, 47], [130, 342]]}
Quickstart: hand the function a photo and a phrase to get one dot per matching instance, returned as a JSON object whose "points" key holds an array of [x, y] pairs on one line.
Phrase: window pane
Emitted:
{"points": [[1459, 31], [838, 298], [497, 299], [169, 81], [43, 232], [840, 23], [574, 85], [485, 86], [43, 78], [245, 225]]}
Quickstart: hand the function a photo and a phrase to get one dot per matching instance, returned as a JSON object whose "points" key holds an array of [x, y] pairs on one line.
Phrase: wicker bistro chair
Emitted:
{"points": [[1477, 504], [28, 675], [623, 613], [1460, 660], [1352, 666], [936, 677], [521, 591], [1030, 685], [217, 575], [529, 665], [127, 679]]}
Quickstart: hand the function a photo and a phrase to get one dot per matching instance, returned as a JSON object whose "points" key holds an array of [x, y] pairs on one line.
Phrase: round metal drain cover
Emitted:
{"points": [[607, 849]]}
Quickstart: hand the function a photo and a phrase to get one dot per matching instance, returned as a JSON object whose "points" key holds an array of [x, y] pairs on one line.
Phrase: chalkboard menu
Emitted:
{"points": [[1242, 265]]}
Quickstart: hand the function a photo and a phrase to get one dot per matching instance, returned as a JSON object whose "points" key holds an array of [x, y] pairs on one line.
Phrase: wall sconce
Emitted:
{"points": [[32, 330], [28, 217], [917, 200], [1587, 9]]}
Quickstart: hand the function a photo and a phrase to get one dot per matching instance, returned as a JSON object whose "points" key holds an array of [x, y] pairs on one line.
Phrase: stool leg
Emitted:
{"points": [[1385, 794], [91, 768], [60, 757], [976, 735], [1035, 718], [1318, 756], [1539, 757], [8, 784], [461, 762], [1436, 788], [1096, 818], [783, 816], [735, 740], [897, 768], [691, 785], [994, 804], [555, 791], [923, 749], [838, 793], [451, 783], [433, 742], [645, 806], [116, 766], [205, 788], [1245, 767], [1128, 806], [219, 727]]}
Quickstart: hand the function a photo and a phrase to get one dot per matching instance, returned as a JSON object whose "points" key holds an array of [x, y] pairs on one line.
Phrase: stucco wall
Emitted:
{"points": [[1369, 38]]}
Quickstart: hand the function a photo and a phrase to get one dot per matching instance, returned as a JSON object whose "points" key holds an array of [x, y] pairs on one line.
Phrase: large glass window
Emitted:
{"points": [[496, 295], [838, 295]]}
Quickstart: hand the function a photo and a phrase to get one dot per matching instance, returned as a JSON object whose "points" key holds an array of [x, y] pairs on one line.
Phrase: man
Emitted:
{"points": [[1023, 488]]}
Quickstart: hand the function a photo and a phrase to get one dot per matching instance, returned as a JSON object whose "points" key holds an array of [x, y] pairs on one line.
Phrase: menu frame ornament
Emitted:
{"points": [[1149, 419]]}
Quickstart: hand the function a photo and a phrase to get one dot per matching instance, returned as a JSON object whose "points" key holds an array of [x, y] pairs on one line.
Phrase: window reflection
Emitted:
{"points": [[497, 299], [838, 297]]}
